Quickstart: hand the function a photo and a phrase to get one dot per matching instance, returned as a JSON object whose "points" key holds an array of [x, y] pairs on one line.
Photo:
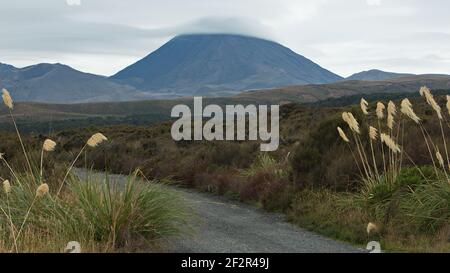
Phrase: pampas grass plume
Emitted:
{"points": [[96, 139], [351, 121], [390, 122], [373, 133], [6, 186], [425, 92], [42, 190], [390, 143], [371, 227], [380, 110], [7, 99], [448, 104], [391, 109], [347, 118], [342, 134], [440, 159], [364, 106], [354, 122], [49, 145], [406, 108]]}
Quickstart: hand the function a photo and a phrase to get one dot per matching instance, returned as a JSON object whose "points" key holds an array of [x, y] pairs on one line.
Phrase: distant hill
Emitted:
{"points": [[376, 75], [356, 99], [57, 83], [316, 92], [215, 64], [60, 116]]}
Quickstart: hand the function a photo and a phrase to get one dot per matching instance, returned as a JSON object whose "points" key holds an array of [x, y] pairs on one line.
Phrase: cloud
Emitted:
{"points": [[104, 36], [373, 2]]}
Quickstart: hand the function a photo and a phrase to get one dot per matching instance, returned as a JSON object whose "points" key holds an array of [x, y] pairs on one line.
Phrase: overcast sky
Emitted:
{"points": [[344, 36]]}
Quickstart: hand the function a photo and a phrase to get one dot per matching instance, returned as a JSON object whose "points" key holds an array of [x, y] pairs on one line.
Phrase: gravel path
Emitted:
{"points": [[222, 226]]}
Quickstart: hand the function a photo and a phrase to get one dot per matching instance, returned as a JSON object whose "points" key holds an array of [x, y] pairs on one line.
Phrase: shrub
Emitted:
{"points": [[266, 182]]}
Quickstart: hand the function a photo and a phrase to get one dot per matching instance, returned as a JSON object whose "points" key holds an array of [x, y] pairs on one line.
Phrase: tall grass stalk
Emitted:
{"points": [[70, 169], [93, 142]]}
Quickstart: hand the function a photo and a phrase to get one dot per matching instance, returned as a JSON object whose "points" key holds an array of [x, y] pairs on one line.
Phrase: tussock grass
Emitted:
{"points": [[412, 200], [135, 210], [100, 214]]}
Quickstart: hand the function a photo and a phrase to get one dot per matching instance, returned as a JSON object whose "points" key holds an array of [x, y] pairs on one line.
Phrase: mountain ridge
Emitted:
{"points": [[56, 83]]}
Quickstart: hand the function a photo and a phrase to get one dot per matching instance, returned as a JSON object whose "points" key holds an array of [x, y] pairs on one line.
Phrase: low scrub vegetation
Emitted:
{"points": [[385, 171]]}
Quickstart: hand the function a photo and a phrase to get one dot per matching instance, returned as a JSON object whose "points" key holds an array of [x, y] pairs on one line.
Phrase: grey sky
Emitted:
{"points": [[344, 36]]}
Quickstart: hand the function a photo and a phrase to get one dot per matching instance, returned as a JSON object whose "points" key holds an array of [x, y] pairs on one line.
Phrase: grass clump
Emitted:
{"points": [[120, 214], [409, 200], [99, 213], [329, 213]]}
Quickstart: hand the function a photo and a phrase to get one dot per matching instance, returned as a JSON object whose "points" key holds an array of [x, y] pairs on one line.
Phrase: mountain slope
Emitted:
{"points": [[207, 64], [57, 83], [376, 75]]}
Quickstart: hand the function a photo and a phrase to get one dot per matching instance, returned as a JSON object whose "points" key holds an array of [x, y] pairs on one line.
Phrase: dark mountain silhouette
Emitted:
{"points": [[218, 63]]}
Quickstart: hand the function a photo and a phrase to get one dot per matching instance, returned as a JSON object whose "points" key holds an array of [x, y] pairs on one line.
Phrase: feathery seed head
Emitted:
{"points": [[380, 110], [42, 190], [7, 99], [390, 122], [391, 108], [390, 143], [373, 133], [345, 117], [432, 102], [448, 104], [440, 159], [406, 109], [6, 186], [371, 227], [364, 106], [96, 139], [49, 145], [354, 123], [343, 135], [424, 91]]}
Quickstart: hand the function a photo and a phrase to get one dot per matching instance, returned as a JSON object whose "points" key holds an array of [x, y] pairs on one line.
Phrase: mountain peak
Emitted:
{"points": [[211, 63]]}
